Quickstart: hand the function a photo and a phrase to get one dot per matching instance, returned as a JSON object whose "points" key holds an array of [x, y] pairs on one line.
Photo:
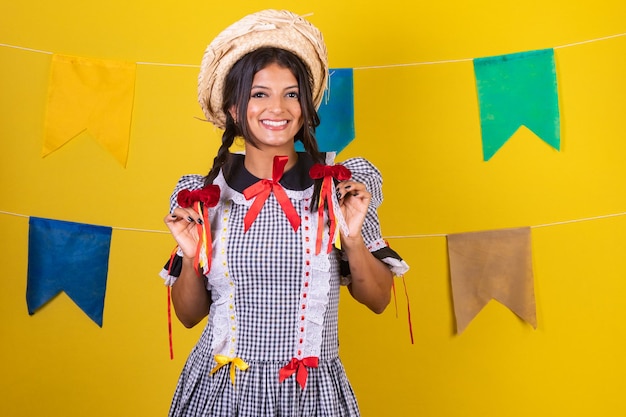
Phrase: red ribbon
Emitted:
{"points": [[262, 190], [169, 305], [299, 366], [202, 199], [327, 172], [338, 172], [209, 196]]}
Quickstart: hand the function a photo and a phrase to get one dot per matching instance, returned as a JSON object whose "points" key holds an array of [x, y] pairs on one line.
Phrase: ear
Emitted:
{"points": [[233, 113]]}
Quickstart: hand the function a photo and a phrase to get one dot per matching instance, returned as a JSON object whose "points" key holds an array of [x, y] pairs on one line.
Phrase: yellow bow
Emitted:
{"points": [[235, 363]]}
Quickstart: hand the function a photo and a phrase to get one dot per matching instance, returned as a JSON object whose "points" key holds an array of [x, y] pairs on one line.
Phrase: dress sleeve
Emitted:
{"points": [[365, 172], [172, 268]]}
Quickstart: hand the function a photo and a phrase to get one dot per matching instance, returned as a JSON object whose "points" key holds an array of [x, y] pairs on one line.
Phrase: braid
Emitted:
{"points": [[310, 146], [223, 154]]}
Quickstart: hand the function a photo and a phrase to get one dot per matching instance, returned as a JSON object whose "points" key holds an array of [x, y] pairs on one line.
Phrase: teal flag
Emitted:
{"points": [[336, 112], [515, 90], [69, 257]]}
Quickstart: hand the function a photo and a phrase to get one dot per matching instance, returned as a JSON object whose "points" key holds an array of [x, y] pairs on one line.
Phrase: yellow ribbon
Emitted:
{"points": [[235, 363]]}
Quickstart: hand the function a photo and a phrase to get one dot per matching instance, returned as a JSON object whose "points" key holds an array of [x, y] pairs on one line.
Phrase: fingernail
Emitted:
{"points": [[338, 195], [190, 219], [200, 221], [173, 216], [348, 187]]}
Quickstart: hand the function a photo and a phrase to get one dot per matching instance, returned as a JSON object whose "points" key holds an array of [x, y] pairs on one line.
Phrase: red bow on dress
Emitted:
{"points": [[201, 199], [208, 195], [327, 172], [262, 189], [299, 366]]}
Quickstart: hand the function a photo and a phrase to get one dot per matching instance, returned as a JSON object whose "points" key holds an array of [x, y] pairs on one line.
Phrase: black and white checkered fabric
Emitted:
{"points": [[258, 312]]}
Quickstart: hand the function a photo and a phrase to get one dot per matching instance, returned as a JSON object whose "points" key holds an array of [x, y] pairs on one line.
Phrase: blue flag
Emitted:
{"points": [[515, 90], [336, 112], [70, 257]]}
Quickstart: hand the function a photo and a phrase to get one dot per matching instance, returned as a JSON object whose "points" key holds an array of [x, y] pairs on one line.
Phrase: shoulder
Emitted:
{"points": [[186, 182], [365, 172], [190, 182], [361, 166]]}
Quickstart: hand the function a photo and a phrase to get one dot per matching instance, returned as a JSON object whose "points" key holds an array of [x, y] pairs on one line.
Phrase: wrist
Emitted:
{"points": [[351, 242]]}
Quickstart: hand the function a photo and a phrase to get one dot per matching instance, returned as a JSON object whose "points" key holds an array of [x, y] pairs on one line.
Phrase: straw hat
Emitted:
{"points": [[274, 28]]}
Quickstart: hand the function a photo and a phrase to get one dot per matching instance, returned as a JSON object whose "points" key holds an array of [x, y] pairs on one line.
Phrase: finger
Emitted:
{"points": [[187, 214], [351, 188]]}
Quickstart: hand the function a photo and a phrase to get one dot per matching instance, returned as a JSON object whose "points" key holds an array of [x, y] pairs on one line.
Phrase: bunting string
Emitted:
{"points": [[413, 64], [128, 229], [415, 236]]}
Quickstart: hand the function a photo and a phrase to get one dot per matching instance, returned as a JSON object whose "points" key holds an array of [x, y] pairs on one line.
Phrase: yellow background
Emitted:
{"points": [[419, 124]]}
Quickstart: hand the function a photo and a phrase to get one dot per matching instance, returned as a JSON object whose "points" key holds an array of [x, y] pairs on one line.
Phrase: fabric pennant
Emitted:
{"points": [[336, 112], [491, 265], [515, 90], [91, 95], [69, 257]]}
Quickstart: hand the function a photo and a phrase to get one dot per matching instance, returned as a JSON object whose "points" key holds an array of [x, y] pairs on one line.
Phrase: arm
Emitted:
{"points": [[190, 296], [371, 278]]}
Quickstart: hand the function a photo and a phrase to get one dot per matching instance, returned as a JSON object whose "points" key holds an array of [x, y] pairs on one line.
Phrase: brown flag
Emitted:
{"points": [[491, 265]]}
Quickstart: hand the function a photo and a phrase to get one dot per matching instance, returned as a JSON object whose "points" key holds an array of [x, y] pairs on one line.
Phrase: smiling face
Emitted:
{"points": [[274, 115]]}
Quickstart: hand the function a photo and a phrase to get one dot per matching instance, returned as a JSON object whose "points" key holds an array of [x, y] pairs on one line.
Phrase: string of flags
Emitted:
{"points": [[513, 90], [495, 264], [97, 95]]}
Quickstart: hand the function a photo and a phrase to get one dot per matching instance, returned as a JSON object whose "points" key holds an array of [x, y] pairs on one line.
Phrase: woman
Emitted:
{"points": [[256, 236]]}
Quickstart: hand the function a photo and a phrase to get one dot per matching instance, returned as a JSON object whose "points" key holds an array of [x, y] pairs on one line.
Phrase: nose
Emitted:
{"points": [[276, 104]]}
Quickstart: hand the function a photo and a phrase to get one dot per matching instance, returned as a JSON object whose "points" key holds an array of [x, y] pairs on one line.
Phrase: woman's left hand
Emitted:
{"points": [[354, 199]]}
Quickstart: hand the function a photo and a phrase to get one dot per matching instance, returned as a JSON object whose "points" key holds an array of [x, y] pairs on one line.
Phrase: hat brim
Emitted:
{"points": [[268, 28]]}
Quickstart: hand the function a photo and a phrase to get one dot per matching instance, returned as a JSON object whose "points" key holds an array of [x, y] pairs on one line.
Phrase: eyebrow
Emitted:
{"points": [[267, 88]]}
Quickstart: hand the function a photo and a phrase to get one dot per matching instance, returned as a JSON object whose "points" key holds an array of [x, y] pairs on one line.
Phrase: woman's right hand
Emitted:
{"points": [[183, 224]]}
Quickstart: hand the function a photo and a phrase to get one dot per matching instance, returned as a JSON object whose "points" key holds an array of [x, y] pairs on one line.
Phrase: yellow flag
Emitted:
{"points": [[90, 94]]}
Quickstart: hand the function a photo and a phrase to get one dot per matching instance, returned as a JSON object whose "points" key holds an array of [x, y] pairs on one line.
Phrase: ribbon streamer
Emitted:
{"points": [[235, 363], [202, 199], [327, 172], [299, 366], [169, 305], [262, 190]]}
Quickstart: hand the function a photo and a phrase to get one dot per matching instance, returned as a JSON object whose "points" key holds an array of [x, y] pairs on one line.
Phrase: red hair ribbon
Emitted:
{"points": [[208, 195], [327, 172], [299, 366], [201, 199], [262, 190]]}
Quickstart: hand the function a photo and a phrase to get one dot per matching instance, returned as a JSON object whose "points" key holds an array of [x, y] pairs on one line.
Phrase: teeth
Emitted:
{"points": [[273, 123]]}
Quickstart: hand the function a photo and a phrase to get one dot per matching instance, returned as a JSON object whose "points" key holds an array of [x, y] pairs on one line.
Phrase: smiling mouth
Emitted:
{"points": [[274, 123]]}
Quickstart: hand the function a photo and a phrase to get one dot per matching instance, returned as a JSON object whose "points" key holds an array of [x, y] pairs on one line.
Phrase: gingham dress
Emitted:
{"points": [[273, 300]]}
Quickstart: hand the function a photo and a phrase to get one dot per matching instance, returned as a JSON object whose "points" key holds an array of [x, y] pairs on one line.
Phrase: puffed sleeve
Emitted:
{"points": [[365, 172], [172, 268]]}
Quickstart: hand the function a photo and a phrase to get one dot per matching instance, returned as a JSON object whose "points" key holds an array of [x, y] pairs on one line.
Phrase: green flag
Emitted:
{"points": [[515, 90]]}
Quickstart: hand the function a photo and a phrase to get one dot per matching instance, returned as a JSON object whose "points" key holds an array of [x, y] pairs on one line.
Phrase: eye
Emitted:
{"points": [[257, 94], [293, 94]]}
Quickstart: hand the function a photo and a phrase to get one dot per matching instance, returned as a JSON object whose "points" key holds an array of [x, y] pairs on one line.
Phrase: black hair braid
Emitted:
{"points": [[223, 153], [310, 146]]}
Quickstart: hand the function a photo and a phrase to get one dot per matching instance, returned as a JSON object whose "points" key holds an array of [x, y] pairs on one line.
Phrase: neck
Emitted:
{"points": [[260, 162]]}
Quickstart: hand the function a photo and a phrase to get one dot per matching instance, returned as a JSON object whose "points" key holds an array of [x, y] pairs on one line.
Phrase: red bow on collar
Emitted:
{"points": [[327, 172], [299, 366], [262, 190]]}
